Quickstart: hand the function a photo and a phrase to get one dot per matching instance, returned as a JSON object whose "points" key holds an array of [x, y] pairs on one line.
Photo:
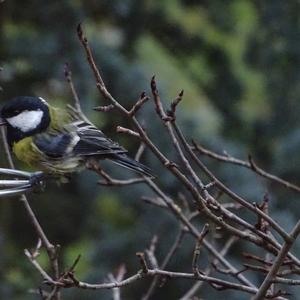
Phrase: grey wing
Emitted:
{"points": [[56, 151], [92, 141], [78, 140], [54, 145]]}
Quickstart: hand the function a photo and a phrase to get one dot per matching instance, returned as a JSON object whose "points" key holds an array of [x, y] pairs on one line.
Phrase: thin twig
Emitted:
{"points": [[143, 262], [140, 152], [151, 252], [194, 231], [250, 164], [286, 281], [208, 199], [277, 263], [165, 262], [156, 272], [136, 107], [119, 277], [68, 75], [105, 108], [229, 192], [192, 291], [198, 245], [128, 131], [172, 111], [108, 180], [37, 266]]}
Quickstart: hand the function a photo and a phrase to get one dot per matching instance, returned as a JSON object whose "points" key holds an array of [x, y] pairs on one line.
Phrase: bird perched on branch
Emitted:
{"points": [[58, 141]]}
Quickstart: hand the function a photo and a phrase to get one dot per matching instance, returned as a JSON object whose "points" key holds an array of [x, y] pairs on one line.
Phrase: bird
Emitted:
{"points": [[59, 141]]}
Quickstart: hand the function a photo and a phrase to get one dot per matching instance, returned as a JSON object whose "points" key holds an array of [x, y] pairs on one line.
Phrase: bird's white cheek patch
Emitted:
{"points": [[26, 120]]}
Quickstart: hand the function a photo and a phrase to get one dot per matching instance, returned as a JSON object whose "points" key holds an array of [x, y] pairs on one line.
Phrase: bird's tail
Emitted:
{"points": [[129, 163]]}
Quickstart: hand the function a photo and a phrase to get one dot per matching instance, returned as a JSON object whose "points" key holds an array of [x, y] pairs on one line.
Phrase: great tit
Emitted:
{"points": [[58, 141]]}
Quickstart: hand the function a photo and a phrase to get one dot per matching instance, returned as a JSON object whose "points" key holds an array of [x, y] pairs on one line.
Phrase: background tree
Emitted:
{"points": [[238, 64]]}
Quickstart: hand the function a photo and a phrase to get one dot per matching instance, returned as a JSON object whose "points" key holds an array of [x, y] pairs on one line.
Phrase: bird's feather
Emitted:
{"points": [[77, 138], [129, 163], [94, 142], [53, 145]]}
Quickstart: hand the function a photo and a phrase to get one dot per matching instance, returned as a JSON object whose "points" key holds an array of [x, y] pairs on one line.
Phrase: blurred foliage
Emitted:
{"points": [[238, 62]]}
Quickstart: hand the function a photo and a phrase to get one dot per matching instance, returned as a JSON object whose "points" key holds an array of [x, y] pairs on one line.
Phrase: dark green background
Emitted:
{"points": [[238, 62]]}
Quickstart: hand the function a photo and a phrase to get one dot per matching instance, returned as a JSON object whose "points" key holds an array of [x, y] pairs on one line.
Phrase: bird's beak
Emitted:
{"points": [[2, 122]]}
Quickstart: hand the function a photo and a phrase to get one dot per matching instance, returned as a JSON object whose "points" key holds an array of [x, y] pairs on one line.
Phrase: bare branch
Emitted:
{"points": [[277, 263], [199, 194], [158, 105], [165, 262], [99, 81], [286, 281], [68, 75], [128, 131], [108, 180], [143, 262], [151, 252], [172, 112], [143, 98], [34, 262], [78, 110], [197, 197], [156, 272], [105, 108], [119, 277], [178, 213], [250, 164], [192, 291], [198, 245]]}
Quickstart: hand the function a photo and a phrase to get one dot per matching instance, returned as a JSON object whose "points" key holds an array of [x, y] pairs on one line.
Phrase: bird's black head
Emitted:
{"points": [[25, 116]]}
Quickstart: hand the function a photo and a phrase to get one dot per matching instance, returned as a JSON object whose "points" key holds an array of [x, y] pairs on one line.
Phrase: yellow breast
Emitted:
{"points": [[26, 151]]}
